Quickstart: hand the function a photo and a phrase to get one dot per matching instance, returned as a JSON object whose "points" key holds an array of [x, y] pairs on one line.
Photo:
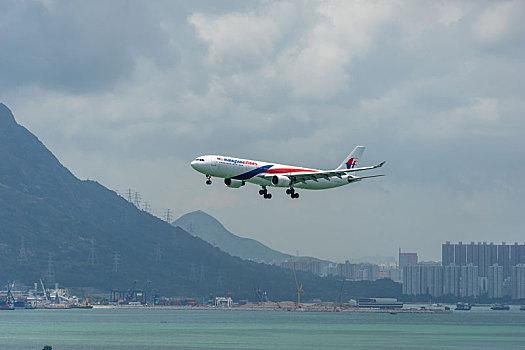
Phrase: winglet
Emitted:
{"points": [[380, 164]]}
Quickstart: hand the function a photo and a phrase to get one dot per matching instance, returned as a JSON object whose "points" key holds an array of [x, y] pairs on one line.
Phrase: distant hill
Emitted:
{"points": [[209, 229], [79, 233]]}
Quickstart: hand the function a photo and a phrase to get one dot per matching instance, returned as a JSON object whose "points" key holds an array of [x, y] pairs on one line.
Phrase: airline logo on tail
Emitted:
{"points": [[351, 163]]}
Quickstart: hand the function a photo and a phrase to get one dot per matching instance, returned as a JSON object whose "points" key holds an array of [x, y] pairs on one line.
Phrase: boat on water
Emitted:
{"points": [[522, 308], [57, 306], [499, 307], [6, 306], [463, 306]]}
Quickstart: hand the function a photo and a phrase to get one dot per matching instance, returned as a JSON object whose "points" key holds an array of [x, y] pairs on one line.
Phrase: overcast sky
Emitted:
{"points": [[127, 93]]}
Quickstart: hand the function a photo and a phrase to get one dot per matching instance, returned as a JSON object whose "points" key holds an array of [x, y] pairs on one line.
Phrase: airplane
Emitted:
{"points": [[236, 172]]}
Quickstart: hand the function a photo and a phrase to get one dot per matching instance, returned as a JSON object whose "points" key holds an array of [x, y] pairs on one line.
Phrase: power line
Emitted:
{"points": [[22, 254], [136, 199], [49, 276], [116, 261], [193, 273], [167, 216]]}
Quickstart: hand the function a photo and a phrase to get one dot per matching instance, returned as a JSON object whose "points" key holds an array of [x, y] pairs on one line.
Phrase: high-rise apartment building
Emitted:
{"points": [[495, 281], [451, 275], [518, 281], [504, 259], [447, 253], [460, 254], [468, 281], [406, 259], [515, 254]]}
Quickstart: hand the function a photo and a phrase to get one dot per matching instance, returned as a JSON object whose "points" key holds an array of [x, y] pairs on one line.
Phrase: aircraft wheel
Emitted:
{"points": [[295, 195], [269, 196], [288, 191], [208, 182], [261, 192]]}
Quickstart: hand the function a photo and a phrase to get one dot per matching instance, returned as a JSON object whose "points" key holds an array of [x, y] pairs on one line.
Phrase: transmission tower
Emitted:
{"points": [[92, 258], [49, 276], [136, 199], [158, 253], [130, 195], [146, 207], [22, 254], [193, 273], [167, 216], [116, 261]]}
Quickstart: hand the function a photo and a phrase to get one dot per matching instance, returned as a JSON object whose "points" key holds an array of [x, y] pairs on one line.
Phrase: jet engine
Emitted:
{"points": [[234, 183], [281, 181], [350, 178]]}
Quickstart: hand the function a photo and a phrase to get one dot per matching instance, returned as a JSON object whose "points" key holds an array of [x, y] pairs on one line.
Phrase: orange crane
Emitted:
{"points": [[299, 288]]}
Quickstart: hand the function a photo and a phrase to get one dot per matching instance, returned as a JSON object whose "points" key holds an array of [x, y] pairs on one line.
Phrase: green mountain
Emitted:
{"points": [[209, 229], [81, 234]]}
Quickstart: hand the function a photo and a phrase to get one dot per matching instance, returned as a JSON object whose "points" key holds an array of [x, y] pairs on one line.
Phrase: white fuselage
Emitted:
{"points": [[250, 170]]}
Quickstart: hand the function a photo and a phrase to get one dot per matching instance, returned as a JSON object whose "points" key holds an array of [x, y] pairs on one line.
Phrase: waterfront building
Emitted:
{"points": [[432, 280], [447, 254], [495, 281], [491, 255], [483, 285], [306, 265], [481, 263], [504, 259], [472, 254], [451, 275], [368, 272], [379, 303], [412, 280], [460, 254], [518, 281], [406, 259], [423, 279], [468, 281], [348, 270], [516, 256]]}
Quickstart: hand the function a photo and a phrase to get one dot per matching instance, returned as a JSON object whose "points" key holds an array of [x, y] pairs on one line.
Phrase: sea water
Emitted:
{"points": [[143, 328]]}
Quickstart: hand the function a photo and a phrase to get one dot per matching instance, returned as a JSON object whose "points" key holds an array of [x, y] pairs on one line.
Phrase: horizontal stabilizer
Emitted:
{"points": [[365, 177]]}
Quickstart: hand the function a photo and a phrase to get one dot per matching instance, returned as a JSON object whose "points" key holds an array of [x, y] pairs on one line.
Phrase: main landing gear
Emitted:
{"points": [[292, 193], [208, 179], [264, 193]]}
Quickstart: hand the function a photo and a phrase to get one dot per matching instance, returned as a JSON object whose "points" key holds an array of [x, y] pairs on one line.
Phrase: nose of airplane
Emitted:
{"points": [[194, 164]]}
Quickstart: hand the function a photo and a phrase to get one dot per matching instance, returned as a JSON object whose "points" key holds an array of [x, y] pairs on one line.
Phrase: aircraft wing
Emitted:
{"points": [[303, 176]]}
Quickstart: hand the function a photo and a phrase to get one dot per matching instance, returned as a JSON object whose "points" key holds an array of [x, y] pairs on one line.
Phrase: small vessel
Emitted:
{"points": [[522, 308], [86, 305], [57, 306], [463, 306], [6, 306], [500, 307]]}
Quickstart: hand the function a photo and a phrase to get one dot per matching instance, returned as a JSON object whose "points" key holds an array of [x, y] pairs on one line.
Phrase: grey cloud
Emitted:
{"points": [[78, 46], [133, 87]]}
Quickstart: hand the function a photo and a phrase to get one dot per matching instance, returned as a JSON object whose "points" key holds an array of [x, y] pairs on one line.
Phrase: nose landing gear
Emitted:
{"points": [[264, 193], [208, 179], [292, 193]]}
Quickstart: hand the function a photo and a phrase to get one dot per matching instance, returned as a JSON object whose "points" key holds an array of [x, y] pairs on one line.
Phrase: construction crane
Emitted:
{"points": [[299, 288]]}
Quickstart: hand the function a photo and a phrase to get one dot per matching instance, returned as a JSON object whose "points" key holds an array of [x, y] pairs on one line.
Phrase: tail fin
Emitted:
{"points": [[351, 159]]}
